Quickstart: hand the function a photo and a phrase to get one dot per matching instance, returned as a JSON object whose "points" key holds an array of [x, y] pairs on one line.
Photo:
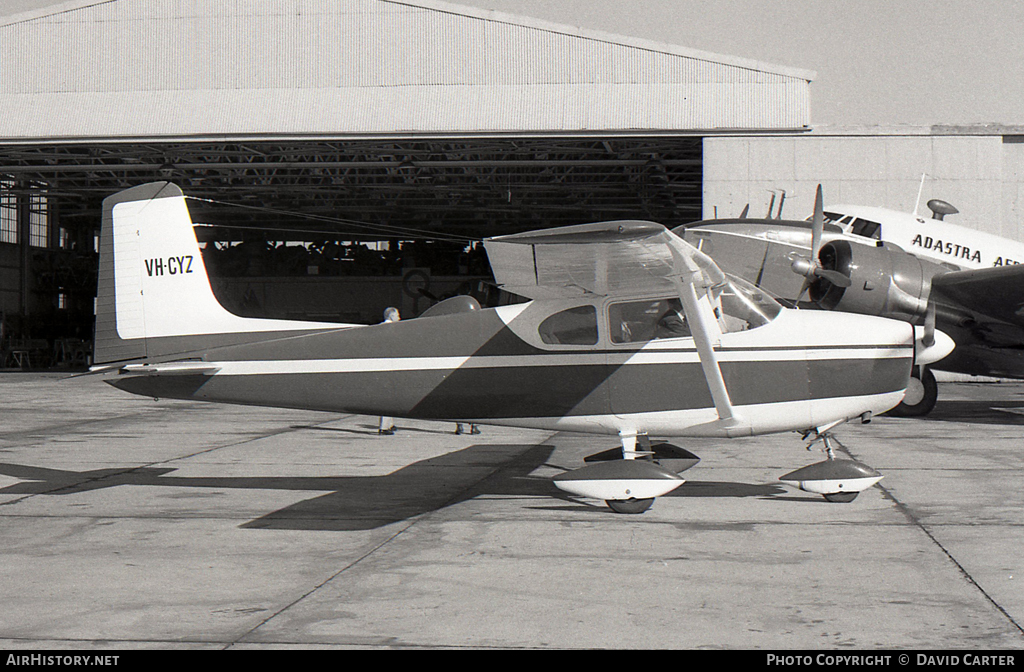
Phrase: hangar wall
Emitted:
{"points": [[979, 171], [173, 68], [1013, 186]]}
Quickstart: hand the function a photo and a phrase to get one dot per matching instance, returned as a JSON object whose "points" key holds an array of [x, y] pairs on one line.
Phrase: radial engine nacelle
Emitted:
{"points": [[885, 281]]}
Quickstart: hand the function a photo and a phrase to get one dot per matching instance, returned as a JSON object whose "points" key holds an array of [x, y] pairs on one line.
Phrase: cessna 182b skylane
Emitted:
{"points": [[629, 331], [963, 288]]}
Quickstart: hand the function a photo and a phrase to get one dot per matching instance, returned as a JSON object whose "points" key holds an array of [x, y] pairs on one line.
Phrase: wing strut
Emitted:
{"points": [[685, 280], [708, 358]]}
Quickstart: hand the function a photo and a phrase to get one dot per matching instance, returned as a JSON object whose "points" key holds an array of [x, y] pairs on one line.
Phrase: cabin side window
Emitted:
{"points": [[641, 321], [575, 326]]}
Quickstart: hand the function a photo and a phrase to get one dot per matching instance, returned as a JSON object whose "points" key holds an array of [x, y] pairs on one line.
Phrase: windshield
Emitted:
{"points": [[855, 225], [744, 306]]}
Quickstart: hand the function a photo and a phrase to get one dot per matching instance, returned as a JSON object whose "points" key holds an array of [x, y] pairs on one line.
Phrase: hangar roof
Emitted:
{"points": [[141, 70]]}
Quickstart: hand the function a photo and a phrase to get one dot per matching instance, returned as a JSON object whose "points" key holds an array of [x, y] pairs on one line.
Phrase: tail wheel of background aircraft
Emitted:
{"points": [[922, 393], [629, 505]]}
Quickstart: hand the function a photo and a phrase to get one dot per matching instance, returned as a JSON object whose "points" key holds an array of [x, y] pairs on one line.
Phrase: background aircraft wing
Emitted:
{"points": [[997, 292], [604, 258], [985, 317]]}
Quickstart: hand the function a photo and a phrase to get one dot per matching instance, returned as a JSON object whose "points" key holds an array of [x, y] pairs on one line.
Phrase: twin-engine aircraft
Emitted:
{"points": [[964, 289], [628, 331]]}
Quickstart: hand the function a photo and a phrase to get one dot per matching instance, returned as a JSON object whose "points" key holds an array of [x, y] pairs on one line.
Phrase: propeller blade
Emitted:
{"points": [[803, 290], [835, 277], [811, 268], [743, 215], [817, 225], [771, 206]]}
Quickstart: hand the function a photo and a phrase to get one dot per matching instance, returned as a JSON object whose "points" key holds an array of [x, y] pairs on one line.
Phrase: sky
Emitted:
{"points": [[878, 62]]}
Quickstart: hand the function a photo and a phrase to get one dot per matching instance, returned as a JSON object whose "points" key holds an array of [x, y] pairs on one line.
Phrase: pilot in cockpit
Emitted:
{"points": [[672, 323]]}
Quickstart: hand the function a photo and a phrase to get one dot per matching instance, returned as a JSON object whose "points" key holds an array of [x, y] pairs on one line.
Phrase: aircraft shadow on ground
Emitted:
{"points": [[352, 503], [983, 412], [369, 502]]}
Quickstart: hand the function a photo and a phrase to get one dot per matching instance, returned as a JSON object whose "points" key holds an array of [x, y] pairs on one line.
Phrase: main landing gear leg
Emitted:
{"points": [[826, 439], [629, 452], [835, 480]]}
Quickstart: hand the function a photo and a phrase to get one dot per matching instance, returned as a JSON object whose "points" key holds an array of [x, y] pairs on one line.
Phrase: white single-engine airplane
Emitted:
{"points": [[630, 331], [964, 289]]}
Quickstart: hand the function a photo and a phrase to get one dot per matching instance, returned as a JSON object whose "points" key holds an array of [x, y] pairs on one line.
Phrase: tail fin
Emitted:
{"points": [[153, 296]]}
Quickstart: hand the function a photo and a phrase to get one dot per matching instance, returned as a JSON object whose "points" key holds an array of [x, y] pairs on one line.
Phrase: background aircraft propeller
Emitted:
{"points": [[812, 268]]}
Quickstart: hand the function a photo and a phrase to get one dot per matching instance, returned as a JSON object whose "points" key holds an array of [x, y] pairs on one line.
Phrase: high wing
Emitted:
{"points": [[617, 257], [604, 258]]}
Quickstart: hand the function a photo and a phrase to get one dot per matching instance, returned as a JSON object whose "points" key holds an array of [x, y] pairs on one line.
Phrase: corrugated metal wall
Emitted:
{"points": [[361, 66], [979, 174]]}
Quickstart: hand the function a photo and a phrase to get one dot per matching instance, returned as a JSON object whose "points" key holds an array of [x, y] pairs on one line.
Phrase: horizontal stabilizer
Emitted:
{"points": [[171, 369]]}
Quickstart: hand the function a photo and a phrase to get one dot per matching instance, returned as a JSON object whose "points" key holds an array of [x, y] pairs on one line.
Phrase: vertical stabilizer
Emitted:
{"points": [[154, 296]]}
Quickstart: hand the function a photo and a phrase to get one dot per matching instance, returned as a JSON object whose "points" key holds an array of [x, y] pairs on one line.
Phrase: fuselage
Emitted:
{"points": [[929, 238], [500, 366]]}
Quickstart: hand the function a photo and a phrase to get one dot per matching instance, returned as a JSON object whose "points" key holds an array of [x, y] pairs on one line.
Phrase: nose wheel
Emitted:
{"points": [[835, 480]]}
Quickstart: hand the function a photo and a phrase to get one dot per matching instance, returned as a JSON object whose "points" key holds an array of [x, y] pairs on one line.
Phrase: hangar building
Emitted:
{"points": [[345, 156]]}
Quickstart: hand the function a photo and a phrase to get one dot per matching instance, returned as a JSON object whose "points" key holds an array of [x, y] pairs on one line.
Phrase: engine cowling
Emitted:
{"points": [[885, 281]]}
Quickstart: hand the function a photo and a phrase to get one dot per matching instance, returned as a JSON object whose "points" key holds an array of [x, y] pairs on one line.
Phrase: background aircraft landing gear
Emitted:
{"points": [[922, 393]]}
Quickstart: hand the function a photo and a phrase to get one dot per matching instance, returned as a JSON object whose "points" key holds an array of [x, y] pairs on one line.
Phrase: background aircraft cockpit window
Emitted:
{"points": [[744, 306], [833, 221], [640, 321], [866, 228], [575, 326]]}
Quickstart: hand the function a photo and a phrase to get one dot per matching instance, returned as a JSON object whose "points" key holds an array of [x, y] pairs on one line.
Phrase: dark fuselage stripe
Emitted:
{"points": [[536, 391]]}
